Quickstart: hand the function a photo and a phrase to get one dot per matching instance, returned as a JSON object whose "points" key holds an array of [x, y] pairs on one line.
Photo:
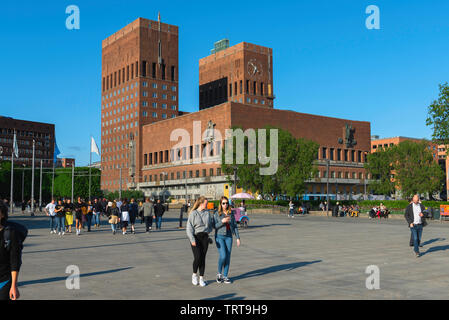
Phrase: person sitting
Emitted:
{"points": [[373, 212]]}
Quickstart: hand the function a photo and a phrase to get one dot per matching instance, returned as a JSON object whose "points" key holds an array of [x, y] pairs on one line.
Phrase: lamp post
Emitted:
{"points": [[23, 181], [327, 187], [165, 174]]}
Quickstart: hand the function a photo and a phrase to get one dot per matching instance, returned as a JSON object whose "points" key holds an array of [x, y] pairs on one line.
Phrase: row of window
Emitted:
{"points": [[154, 86], [182, 175], [255, 89], [132, 71], [341, 175], [343, 155], [207, 150], [23, 133]]}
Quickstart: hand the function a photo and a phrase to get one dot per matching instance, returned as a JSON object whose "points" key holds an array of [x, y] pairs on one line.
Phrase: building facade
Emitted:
{"points": [[43, 135], [139, 87]]}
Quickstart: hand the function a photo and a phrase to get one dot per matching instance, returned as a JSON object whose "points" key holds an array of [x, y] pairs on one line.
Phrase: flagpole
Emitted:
{"points": [[53, 173], [32, 182], [90, 164], [11, 204]]}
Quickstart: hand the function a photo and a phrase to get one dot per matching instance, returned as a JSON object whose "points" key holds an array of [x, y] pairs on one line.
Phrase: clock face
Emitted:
{"points": [[254, 68]]}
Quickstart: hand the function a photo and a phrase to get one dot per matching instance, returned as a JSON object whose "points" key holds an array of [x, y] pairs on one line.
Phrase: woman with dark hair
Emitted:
{"points": [[125, 215], [10, 259], [199, 225], [225, 227]]}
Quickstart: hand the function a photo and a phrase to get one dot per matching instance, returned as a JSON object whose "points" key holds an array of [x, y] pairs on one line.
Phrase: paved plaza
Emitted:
{"points": [[306, 257]]}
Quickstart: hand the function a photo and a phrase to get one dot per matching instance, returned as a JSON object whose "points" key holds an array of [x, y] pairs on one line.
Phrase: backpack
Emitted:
{"points": [[21, 232]]}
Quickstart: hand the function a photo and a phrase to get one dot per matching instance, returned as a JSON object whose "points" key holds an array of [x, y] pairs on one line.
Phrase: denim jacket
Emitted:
{"points": [[220, 228]]}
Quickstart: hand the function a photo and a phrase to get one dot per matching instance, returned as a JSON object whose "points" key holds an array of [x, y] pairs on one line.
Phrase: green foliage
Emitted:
{"points": [[295, 164], [408, 166], [126, 194], [438, 116]]}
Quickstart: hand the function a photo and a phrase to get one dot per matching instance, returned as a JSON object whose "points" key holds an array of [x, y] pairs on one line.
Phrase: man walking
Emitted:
{"points": [[158, 213], [50, 211], [147, 208], [416, 221]]}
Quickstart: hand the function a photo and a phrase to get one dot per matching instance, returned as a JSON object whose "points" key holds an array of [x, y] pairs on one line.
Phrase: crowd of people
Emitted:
{"points": [[345, 210], [380, 211], [88, 215]]}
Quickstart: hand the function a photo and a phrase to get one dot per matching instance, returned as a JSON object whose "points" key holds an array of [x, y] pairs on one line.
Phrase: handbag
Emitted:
{"points": [[113, 220]]}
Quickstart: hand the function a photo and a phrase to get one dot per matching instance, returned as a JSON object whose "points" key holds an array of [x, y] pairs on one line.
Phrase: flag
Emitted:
{"points": [[56, 152], [15, 147], [93, 146]]}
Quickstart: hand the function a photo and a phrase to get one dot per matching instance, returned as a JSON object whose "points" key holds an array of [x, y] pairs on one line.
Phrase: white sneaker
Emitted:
{"points": [[63, 233], [59, 233], [195, 279], [202, 282]]}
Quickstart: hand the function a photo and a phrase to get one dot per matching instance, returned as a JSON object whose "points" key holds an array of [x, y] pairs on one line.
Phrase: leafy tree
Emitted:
{"points": [[380, 165], [408, 166], [295, 164], [416, 171], [438, 116]]}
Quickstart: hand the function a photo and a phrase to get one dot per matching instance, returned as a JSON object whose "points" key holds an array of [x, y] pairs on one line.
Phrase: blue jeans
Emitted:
{"points": [[417, 234], [291, 212], [52, 223], [224, 246], [113, 227], [60, 224], [158, 222], [89, 221], [97, 218]]}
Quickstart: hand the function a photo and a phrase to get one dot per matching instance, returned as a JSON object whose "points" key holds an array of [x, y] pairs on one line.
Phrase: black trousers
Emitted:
{"points": [[148, 222], [199, 252], [4, 292]]}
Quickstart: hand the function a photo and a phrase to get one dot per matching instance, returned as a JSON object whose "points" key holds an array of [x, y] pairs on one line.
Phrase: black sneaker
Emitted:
{"points": [[226, 280], [219, 278]]}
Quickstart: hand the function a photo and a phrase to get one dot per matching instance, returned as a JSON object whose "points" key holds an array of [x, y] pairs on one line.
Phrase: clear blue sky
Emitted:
{"points": [[326, 61]]}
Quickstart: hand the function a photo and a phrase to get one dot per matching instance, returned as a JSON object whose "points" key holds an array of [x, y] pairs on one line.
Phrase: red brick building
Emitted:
{"points": [[139, 87], [26, 131], [235, 88]]}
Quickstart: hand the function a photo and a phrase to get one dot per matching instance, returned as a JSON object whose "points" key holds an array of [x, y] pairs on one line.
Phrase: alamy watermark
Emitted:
{"points": [[373, 280], [73, 280], [373, 20], [210, 136], [73, 20]]}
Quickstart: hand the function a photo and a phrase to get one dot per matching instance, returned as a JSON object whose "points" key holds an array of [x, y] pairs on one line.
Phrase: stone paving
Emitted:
{"points": [[305, 257]]}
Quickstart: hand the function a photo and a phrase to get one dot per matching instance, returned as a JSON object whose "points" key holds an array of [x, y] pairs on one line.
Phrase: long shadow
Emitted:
{"points": [[434, 249], [54, 279], [272, 269], [267, 225], [432, 241], [103, 246], [229, 296]]}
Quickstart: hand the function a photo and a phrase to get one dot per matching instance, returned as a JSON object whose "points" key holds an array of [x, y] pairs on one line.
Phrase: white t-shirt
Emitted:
{"points": [[416, 212], [125, 216], [51, 209]]}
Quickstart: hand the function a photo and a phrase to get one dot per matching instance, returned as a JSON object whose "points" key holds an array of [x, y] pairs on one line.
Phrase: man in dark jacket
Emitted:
{"points": [[158, 213], [416, 221], [335, 210]]}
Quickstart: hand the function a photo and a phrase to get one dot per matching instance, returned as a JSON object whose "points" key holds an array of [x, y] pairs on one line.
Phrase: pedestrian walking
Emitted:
{"points": [[124, 218], [147, 208], [97, 210], [69, 209], [416, 221], [291, 209], [60, 218], [225, 226], [114, 213], [89, 215], [50, 212], [133, 212], [199, 225], [79, 205], [158, 213], [10, 257]]}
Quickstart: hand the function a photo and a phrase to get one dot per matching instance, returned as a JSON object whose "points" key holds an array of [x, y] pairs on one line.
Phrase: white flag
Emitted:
{"points": [[15, 147], [93, 146]]}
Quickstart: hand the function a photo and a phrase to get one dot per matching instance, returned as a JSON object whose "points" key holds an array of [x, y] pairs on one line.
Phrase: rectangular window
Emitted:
{"points": [[346, 155], [172, 73], [324, 153], [218, 171], [155, 157], [163, 71], [204, 172], [144, 68], [153, 72], [338, 154], [359, 156], [197, 173], [161, 154], [254, 87], [166, 156], [211, 172], [150, 158], [353, 155], [331, 154], [261, 88], [145, 159], [247, 86]]}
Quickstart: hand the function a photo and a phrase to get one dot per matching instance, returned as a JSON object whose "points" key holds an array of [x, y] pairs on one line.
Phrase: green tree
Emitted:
{"points": [[416, 171], [295, 164], [438, 116], [380, 165]]}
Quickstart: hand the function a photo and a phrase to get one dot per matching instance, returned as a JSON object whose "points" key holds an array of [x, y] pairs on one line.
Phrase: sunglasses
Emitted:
{"points": [[225, 203]]}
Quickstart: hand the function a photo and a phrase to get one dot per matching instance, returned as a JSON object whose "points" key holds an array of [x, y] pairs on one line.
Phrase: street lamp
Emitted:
{"points": [[163, 191], [327, 186]]}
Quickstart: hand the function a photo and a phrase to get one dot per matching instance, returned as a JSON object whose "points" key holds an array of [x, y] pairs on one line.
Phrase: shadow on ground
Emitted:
{"points": [[272, 269], [54, 279], [229, 296], [435, 249]]}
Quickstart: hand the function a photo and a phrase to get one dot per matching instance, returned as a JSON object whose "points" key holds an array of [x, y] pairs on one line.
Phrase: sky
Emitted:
{"points": [[325, 60]]}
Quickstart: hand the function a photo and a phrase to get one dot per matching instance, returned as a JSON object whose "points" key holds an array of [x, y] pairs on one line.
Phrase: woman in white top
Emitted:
{"points": [[125, 215]]}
